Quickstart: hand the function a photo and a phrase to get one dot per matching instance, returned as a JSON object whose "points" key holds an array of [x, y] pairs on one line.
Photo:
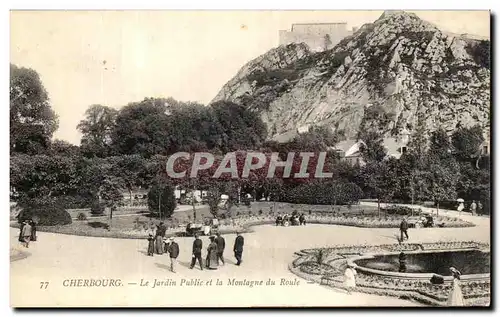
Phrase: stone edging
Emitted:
{"points": [[417, 295], [243, 226]]}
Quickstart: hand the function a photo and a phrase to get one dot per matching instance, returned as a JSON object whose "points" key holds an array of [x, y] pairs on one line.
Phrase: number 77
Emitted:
{"points": [[43, 285]]}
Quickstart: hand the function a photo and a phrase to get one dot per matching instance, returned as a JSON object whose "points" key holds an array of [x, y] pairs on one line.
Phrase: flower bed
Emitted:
{"points": [[476, 292], [228, 226], [454, 245]]}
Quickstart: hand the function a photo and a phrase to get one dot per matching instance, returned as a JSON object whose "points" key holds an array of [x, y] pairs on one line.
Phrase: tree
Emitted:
{"points": [[63, 148], [466, 142], [318, 138], [440, 146], [131, 169], [240, 128], [214, 199], [442, 180], [373, 149], [142, 128], [419, 143], [96, 130], [43, 176], [32, 120], [161, 200], [111, 193], [380, 180]]}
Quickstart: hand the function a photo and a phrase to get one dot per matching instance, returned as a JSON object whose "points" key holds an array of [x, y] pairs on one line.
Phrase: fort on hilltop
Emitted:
{"points": [[318, 36]]}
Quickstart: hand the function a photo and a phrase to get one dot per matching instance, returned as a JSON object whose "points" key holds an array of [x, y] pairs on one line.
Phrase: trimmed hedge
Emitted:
{"points": [[401, 211], [46, 213], [97, 208], [324, 193]]}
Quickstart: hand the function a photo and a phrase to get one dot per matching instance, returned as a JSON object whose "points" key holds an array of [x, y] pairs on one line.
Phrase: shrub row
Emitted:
{"points": [[401, 211], [322, 193]]}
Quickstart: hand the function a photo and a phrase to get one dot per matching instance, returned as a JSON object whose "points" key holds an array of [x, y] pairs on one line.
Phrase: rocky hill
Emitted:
{"points": [[383, 77]]}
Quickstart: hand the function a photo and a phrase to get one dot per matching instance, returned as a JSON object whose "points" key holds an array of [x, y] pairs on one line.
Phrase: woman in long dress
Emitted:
{"points": [[160, 233], [33, 230], [213, 261], [456, 298], [350, 277]]}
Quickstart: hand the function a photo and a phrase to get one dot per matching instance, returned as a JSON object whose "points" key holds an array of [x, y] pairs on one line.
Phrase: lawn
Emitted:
{"points": [[240, 218]]}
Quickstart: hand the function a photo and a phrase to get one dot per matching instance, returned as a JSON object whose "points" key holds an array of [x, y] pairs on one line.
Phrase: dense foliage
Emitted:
{"points": [[46, 212], [161, 200], [122, 150]]}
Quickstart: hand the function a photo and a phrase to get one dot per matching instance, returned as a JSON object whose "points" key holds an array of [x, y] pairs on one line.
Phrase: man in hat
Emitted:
{"points": [[26, 233], [197, 246], [221, 245], [403, 227], [238, 248], [173, 250], [473, 208]]}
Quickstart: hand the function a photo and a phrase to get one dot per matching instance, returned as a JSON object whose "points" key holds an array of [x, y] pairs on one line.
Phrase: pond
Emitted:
{"points": [[467, 262]]}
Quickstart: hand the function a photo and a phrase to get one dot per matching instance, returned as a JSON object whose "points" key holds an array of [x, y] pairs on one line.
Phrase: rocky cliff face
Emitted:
{"points": [[383, 77]]}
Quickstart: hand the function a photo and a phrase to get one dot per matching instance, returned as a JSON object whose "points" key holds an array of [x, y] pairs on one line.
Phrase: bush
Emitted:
{"points": [[324, 193], [74, 202], [401, 211], [81, 216], [97, 208], [47, 213]]}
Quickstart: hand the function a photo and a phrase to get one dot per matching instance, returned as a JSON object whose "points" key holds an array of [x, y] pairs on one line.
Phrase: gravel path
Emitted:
{"points": [[268, 251]]}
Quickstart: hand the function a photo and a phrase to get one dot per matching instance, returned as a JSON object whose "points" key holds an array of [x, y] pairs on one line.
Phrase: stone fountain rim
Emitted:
{"points": [[426, 276]]}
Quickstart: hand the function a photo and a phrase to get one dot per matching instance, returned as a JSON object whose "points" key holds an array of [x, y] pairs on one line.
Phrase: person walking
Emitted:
{"points": [[33, 230], [21, 226], [151, 245], [302, 219], [212, 258], [161, 229], [479, 208], [473, 208], [197, 247], [238, 248], [456, 298], [403, 227], [221, 245], [26, 233], [173, 250]]}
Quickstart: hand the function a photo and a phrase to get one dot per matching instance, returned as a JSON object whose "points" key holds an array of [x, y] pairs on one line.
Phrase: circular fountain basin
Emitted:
{"points": [[474, 264]]}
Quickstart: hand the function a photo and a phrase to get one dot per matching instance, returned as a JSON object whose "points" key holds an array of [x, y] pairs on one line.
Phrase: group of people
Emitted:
{"points": [[455, 298], [295, 220], [169, 246], [215, 251], [474, 208], [27, 232], [159, 244]]}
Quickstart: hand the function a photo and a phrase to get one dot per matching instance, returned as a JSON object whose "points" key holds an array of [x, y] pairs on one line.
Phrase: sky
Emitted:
{"points": [[116, 57]]}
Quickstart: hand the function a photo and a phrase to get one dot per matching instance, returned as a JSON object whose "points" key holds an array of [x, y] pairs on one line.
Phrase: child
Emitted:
{"points": [[151, 245]]}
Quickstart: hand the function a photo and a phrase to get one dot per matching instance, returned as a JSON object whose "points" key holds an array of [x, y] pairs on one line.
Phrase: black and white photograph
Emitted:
{"points": [[203, 158]]}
